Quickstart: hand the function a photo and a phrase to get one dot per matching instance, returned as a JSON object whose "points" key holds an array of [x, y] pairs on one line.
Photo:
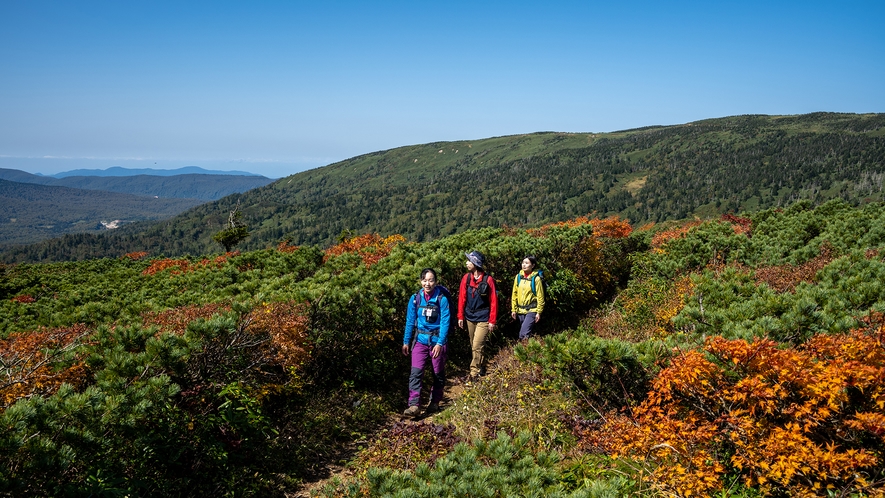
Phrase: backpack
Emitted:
{"points": [[482, 289], [444, 292], [539, 276]]}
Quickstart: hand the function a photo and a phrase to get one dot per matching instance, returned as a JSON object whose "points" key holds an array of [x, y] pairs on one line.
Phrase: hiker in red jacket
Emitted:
{"points": [[478, 308]]}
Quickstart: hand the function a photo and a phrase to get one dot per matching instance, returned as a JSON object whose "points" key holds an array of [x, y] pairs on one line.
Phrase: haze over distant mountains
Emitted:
{"points": [[120, 171], [207, 186]]}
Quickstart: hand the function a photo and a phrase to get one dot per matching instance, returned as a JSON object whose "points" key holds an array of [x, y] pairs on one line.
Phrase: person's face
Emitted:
{"points": [[428, 282], [470, 266], [526, 265]]}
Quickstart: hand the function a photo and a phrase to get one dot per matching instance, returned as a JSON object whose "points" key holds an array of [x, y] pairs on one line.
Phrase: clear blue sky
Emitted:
{"points": [[279, 87]]}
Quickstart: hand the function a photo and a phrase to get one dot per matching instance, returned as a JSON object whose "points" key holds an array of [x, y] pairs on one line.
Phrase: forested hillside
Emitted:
{"points": [[30, 213], [425, 191], [738, 356]]}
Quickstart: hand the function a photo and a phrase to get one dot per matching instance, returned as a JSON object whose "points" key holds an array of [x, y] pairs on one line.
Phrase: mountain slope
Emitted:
{"points": [[207, 187], [29, 212], [649, 174]]}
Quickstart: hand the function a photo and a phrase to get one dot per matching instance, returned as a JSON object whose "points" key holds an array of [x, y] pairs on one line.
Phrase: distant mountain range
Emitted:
{"points": [[704, 169], [120, 171], [206, 187], [35, 208]]}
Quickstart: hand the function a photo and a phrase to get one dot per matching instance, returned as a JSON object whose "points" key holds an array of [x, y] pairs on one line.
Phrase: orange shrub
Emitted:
{"points": [[785, 278], [787, 421], [23, 299], [185, 266], [287, 324], [612, 226], [285, 247], [661, 238], [28, 362], [740, 224], [135, 256], [371, 247], [164, 264]]}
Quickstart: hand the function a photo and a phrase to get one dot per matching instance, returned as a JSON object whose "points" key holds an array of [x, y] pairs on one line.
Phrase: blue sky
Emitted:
{"points": [[279, 87]]}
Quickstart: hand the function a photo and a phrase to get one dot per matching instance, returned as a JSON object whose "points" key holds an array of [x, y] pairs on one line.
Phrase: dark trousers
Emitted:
{"points": [[526, 324]]}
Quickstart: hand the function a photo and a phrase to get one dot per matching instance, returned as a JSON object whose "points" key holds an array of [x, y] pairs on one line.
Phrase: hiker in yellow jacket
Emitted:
{"points": [[527, 300]]}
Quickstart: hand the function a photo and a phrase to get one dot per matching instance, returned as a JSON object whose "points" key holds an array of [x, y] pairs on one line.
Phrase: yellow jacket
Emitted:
{"points": [[523, 300]]}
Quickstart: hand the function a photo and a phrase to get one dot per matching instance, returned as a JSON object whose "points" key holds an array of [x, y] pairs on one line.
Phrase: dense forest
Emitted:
{"points": [[704, 169], [736, 356], [31, 213]]}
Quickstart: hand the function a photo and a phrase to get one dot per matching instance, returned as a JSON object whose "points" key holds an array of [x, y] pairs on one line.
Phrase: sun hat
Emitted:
{"points": [[476, 258]]}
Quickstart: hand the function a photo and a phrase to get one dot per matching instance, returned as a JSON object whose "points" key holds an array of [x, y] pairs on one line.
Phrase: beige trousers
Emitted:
{"points": [[477, 332]]}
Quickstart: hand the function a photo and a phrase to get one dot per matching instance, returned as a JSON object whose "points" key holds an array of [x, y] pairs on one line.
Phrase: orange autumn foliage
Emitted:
{"points": [[23, 299], [370, 247], [31, 363], [181, 266], [661, 238], [612, 227], [741, 225], [287, 325], [785, 278], [797, 422], [284, 246], [135, 256]]}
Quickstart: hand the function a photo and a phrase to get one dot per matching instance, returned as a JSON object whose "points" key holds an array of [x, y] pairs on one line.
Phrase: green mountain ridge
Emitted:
{"points": [[206, 187], [31, 212], [656, 173]]}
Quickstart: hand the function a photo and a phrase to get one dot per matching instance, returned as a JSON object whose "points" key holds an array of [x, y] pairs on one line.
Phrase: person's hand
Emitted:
{"points": [[491, 327], [537, 318], [436, 351], [460, 324], [406, 349], [513, 315]]}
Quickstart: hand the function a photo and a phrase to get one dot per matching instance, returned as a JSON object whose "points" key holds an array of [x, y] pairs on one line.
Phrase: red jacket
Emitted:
{"points": [[472, 306]]}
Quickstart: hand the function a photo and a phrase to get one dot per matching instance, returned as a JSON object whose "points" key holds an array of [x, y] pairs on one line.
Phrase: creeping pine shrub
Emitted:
{"points": [[505, 466], [823, 295], [608, 372], [795, 422]]}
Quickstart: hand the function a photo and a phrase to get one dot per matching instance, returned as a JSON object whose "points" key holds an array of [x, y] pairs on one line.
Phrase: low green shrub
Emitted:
{"points": [[505, 466]]}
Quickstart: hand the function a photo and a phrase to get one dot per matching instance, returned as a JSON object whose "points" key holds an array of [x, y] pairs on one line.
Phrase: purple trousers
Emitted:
{"points": [[420, 355]]}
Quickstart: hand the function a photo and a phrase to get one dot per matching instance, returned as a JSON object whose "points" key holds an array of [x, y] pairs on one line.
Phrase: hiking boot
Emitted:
{"points": [[432, 408], [412, 411]]}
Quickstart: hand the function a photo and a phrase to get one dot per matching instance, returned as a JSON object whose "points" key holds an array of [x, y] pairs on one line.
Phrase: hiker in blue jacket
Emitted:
{"points": [[427, 326]]}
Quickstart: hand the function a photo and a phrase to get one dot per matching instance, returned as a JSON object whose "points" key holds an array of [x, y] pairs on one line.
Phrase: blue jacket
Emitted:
{"points": [[432, 317]]}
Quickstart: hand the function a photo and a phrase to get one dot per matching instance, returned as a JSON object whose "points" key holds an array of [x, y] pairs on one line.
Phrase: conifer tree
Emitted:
{"points": [[235, 232]]}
